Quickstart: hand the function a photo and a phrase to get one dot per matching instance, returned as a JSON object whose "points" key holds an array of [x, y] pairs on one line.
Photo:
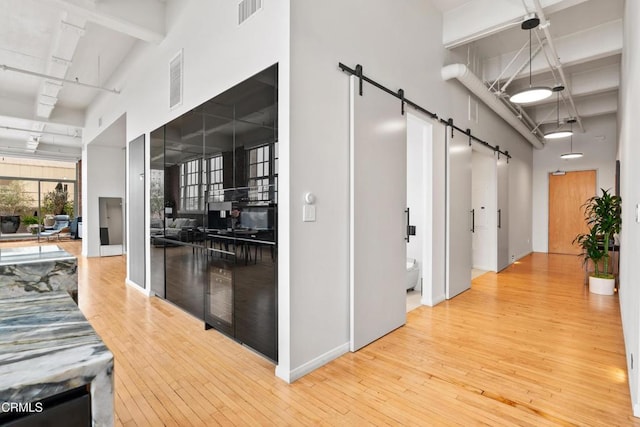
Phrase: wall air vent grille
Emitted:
{"points": [[175, 80], [246, 8]]}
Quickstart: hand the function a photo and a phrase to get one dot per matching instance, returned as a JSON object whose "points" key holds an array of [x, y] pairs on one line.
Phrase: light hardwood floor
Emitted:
{"points": [[529, 346]]}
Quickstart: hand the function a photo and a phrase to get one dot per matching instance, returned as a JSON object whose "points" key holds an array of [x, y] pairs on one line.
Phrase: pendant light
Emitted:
{"points": [[532, 93], [558, 133], [571, 154]]}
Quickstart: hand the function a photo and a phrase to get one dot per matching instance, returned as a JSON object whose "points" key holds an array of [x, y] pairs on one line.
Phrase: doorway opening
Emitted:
{"points": [[484, 200], [419, 202]]}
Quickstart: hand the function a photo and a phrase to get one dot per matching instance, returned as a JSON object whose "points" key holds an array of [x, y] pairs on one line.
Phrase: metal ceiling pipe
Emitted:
{"points": [[544, 24], [475, 85], [4, 67]]}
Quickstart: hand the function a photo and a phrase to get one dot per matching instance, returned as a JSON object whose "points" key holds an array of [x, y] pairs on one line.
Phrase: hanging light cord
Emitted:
{"points": [[571, 141], [558, 110], [530, 58]]}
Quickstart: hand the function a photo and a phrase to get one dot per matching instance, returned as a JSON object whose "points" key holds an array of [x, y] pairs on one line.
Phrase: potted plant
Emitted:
{"points": [[31, 222], [603, 217], [14, 200]]}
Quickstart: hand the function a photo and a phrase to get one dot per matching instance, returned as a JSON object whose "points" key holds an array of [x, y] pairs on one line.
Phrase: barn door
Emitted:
{"points": [[377, 218], [460, 216]]}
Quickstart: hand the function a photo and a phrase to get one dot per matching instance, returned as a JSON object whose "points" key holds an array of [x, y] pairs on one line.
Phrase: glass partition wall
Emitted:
{"points": [[213, 207]]}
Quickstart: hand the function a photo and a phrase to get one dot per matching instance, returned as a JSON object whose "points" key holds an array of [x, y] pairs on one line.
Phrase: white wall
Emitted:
{"points": [[492, 129], [103, 176], [322, 35], [313, 257], [598, 154], [399, 45], [629, 153], [218, 53]]}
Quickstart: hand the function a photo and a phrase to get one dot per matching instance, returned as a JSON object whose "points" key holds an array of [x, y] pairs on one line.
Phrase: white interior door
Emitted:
{"points": [[503, 213], [484, 204], [459, 216], [377, 215]]}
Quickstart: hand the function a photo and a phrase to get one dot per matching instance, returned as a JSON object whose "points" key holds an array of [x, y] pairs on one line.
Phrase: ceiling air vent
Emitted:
{"points": [[246, 8], [175, 80]]}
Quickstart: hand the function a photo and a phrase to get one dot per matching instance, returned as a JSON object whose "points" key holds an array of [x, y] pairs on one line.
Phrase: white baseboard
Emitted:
{"points": [[312, 365], [432, 302], [636, 410], [138, 288], [111, 250]]}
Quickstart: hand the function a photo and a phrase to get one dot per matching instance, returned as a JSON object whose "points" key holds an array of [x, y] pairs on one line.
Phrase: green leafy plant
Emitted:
{"points": [[603, 215], [56, 201], [29, 220], [14, 199], [592, 249]]}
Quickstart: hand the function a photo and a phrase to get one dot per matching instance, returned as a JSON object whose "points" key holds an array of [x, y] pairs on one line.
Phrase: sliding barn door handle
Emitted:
{"points": [[411, 229], [499, 218], [406, 211], [473, 220]]}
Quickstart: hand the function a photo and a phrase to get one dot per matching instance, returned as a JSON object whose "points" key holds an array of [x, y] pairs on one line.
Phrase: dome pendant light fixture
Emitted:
{"points": [[532, 93], [558, 133], [571, 154]]}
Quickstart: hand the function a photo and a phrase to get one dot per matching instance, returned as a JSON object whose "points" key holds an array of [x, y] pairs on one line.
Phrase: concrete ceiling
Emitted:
{"points": [[584, 35], [85, 41], [68, 42]]}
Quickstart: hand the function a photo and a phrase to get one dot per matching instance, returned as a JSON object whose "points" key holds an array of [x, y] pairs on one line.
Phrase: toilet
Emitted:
{"points": [[413, 273]]}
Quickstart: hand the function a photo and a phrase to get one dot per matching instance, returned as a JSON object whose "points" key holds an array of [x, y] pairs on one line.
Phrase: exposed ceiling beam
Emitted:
{"points": [[595, 81], [4, 67], [23, 109], [477, 87], [461, 25], [39, 128], [588, 82], [141, 19], [63, 46], [43, 151], [594, 105], [596, 42]]}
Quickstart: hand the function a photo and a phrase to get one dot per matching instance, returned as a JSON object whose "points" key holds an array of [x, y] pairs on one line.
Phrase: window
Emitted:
{"points": [[190, 186], [216, 180], [259, 173]]}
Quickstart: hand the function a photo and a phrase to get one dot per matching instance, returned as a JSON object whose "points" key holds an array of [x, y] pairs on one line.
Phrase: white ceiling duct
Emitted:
{"points": [[475, 85]]}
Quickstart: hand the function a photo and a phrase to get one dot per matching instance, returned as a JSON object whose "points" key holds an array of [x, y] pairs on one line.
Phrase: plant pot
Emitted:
{"points": [[9, 223], [49, 221], [601, 286]]}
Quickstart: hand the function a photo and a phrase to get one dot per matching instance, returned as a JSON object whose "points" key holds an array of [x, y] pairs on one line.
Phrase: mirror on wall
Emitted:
{"points": [[111, 226]]}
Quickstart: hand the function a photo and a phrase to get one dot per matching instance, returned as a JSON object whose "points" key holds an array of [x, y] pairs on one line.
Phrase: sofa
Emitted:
{"points": [[181, 229]]}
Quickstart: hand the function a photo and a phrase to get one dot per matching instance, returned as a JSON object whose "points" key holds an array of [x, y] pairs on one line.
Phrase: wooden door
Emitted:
{"points": [[567, 194]]}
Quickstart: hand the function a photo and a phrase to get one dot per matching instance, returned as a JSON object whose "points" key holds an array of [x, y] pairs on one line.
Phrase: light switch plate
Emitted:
{"points": [[308, 213]]}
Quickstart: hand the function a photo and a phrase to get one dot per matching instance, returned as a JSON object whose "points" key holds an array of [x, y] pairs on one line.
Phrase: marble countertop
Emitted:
{"points": [[47, 347], [32, 254]]}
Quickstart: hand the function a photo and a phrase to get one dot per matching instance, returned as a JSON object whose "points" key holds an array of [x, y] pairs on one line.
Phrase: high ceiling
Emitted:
{"points": [[578, 45], [85, 41], [69, 42]]}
